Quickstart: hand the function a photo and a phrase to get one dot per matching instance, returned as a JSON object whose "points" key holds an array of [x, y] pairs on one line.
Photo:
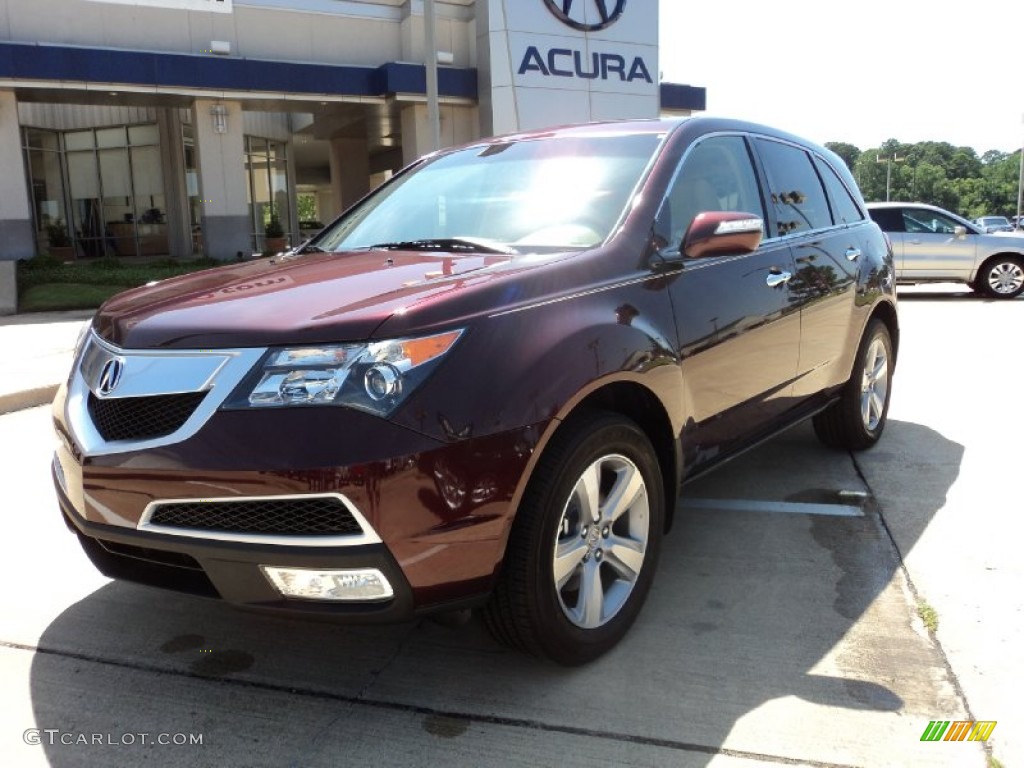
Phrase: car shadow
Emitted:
{"points": [[951, 292], [746, 612]]}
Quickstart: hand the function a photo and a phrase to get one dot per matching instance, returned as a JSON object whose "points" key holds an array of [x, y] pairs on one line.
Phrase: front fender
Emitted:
{"points": [[532, 365]]}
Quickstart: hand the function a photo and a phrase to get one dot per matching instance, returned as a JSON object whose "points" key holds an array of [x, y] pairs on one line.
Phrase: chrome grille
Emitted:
{"points": [[301, 516], [139, 418]]}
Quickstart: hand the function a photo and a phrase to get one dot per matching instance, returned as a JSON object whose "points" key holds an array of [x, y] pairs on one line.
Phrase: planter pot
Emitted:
{"points": [[62, 252], [275, 244]]}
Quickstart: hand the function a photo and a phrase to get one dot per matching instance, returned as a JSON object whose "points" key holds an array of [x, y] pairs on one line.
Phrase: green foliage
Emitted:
{"points": [[85, 284], [61, 296], [273, 227], [936, 172], [306, 204], [848, 152], [57, 234]]}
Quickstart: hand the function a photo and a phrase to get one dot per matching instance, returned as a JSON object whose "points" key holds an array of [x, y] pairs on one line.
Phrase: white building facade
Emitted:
{"points": [[181, 128]]}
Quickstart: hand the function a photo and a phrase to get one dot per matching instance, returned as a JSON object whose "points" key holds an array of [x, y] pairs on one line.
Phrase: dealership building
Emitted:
{"points": [[181, 128]]}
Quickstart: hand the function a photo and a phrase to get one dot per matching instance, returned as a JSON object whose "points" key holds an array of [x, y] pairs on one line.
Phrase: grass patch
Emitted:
{"points": [[928, 615], [46, 284], [50, 297]]}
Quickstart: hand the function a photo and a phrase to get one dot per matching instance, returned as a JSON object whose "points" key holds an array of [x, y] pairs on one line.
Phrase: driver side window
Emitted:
{"points": [[715, 175], [929, 222]]}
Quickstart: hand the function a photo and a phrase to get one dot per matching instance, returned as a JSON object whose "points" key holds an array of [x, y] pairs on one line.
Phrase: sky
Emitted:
{"points": [[860, 72]]}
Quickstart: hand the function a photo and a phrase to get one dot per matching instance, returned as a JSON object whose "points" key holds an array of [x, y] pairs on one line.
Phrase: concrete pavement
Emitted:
{"points": [[769, 639], [36, 356]]}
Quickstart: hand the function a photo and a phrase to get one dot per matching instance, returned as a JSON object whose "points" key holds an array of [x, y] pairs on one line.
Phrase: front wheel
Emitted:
{"points": [[1001, 278], [856, 420], [584, 545]]}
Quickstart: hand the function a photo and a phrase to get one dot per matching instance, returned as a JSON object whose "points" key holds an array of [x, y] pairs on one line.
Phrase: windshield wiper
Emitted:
{"points": [[310, 249], [476, 245]]}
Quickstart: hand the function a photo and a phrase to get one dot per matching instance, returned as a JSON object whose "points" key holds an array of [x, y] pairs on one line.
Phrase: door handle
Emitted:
{"points": [[852, 254], [775, 279]]}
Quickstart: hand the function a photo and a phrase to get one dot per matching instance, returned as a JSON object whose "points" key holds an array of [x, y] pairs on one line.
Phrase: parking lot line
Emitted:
{"points": [[784, 507]]}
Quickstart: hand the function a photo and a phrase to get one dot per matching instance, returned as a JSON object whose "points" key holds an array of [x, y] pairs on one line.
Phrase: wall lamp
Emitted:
{"points": [[219, 115]]}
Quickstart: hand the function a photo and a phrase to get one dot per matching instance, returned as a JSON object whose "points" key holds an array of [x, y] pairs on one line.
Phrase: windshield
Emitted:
{"points": [[553, 192]]}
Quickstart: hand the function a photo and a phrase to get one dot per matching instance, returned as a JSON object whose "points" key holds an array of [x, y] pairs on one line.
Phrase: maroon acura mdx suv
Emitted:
{"points": [[486, 382]]}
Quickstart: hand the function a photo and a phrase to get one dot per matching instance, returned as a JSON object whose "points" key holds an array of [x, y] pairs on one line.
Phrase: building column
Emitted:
{"points": [[350, 170], [458, 125], [227, 229], [17, 240], [172, 155]]}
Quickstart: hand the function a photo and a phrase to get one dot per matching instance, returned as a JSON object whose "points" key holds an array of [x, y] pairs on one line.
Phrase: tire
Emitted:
{"points": [[857, 419], [593, 459], [1001, 277]]}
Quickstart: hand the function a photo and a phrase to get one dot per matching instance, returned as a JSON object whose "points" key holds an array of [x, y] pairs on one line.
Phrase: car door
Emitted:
{"points": [[932, 249], [826, 229], [738, 333]]}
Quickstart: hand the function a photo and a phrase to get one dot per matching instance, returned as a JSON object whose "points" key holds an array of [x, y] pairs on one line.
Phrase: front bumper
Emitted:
{"points": [[231, 570], [433, 517]]}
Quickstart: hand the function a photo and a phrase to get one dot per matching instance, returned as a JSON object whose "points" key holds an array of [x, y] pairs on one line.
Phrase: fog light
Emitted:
{"points": [[361, 584]]}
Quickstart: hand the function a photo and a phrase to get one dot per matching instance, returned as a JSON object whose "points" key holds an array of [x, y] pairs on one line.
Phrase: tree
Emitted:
{"points": [[936, 172], [848, 152]]}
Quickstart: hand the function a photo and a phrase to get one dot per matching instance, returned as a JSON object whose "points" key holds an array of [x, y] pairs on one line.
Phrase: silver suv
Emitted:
{"points": [[932, 245], [991, 224]]}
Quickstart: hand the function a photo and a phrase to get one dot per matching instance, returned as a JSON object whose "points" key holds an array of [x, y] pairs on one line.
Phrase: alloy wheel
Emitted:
{"points": [[601, 541], [874, 385]]}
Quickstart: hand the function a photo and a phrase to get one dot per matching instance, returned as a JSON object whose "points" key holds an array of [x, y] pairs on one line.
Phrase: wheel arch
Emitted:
{"points": [[886, 312], [635, 401], [985, 262]]}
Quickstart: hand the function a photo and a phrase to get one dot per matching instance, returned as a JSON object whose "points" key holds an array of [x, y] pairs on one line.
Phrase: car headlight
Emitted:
{"points": [[375, 377]]}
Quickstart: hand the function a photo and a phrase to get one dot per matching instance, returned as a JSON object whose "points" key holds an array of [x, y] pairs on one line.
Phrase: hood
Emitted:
{"points": [[307, 299]]}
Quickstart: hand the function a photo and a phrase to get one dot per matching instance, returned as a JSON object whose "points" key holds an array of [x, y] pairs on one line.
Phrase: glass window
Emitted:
{"points": [[46, 183], [267, 190], [889, 219], [143, 134], [79, 140], [41, 139], [926, 221], [558, 193], [797, 200], [844, 209], [111, 137], [716, 175]]}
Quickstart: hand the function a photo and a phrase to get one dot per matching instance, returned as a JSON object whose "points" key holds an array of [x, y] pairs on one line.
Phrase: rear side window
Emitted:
{"points": [[889, 219], [844, 208], [796, 199]]}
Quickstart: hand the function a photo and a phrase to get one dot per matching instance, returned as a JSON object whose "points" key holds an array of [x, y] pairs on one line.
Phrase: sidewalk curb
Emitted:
{"points": [[28, 398]]}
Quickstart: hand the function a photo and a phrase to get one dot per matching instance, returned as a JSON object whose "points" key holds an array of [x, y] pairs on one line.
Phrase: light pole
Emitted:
{"points": [[888, 160], [433, 110], [1020, 185]]}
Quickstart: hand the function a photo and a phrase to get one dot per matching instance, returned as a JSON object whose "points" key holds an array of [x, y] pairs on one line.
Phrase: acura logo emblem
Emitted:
{"points": [[603, 13], [110, 375]]}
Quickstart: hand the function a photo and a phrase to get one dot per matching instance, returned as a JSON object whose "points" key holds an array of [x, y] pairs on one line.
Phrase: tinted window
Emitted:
{"points": [[796, 199], [844, 207], [716, 175], [889, 219]]}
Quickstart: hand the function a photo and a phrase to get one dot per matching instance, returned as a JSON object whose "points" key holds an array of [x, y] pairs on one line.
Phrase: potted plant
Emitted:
{"points": [[273, 234], [60, 247]]}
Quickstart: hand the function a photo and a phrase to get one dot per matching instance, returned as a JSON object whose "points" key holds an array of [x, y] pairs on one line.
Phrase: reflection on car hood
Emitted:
{"points": [[314, 298]]}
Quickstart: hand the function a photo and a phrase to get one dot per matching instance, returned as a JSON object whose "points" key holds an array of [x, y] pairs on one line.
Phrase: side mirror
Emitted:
{"points": [[959, 230], [722, 233]]}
